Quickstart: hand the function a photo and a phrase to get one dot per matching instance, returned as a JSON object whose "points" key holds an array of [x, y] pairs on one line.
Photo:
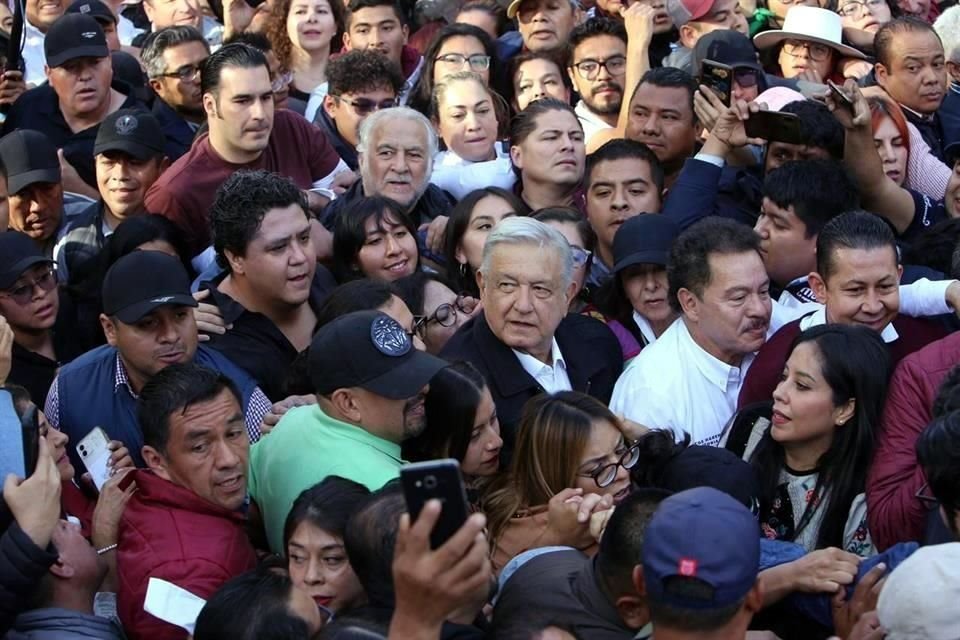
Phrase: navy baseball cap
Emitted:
{"points": [[72, 36], [952, 153], [644, 239], [702, 466], [95, 9], [18, 252], [701, 551], [143, 281], [370, 350], [728, 47]]}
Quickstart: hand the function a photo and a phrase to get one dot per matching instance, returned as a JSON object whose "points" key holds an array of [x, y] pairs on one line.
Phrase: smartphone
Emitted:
{"points": [[20, 444], [441, 480], [774, 126], [840, 95], [719, 77], [95, 452]]}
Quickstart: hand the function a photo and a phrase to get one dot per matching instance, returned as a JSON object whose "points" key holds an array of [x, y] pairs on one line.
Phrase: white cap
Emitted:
{"points": [[919, 599]]}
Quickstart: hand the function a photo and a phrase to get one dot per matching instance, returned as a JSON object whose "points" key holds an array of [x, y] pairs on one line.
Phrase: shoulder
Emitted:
{"points": [[96, 357]]}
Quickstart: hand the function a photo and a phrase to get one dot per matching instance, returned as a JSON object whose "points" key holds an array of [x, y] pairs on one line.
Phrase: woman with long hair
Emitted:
{"points": [[374, 239], [438, 310], [813, 455]]}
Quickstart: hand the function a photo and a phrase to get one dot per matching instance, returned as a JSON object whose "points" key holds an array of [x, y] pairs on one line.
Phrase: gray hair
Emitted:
{"points": [[520, 230], [156, 43], [372, 123], [947, 27]]}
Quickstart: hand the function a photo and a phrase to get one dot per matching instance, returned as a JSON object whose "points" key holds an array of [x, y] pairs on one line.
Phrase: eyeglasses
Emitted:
{"points": [[186, 72], [364, 106], [477, 61], [580, 257], [859, 9], [746, 78], [590, 69], [816, 51], [446, 314], [606, 474], [23, 294], [928, 501], [282, 81]]}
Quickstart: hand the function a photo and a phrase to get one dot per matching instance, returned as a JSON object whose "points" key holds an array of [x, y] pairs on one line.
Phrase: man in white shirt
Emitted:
{"points": [[688, 380], [524, 342], [597, 69], [39, 15]]}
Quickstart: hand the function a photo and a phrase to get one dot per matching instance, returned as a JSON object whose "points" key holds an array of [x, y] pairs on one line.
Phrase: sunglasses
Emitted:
{"points": [[364, 106], [23, 294]]}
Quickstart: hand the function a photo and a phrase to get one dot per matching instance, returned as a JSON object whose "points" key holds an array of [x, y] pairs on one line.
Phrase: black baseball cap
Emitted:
{"points": [[28, 157], [142, 281], [644, 239], [72, 36], [369, 349], [727, 47], [137, 133], [702, 466], [951, 153], [95, 9], [18, 252]]}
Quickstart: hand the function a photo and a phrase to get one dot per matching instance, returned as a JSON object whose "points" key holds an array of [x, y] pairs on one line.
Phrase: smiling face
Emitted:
{"points": [[917, 76], [170, 13], [395, 164], [318, 564], [389, 251], [467, 121], [123, 181], [311, 25], [892, 149], [863, 287], [43, 13], [605, 446], [483, 453], [538, 78], [554, 152]]}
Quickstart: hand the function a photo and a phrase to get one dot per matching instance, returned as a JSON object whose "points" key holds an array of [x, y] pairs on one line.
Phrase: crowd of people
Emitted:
{"points": [[675, 283]]}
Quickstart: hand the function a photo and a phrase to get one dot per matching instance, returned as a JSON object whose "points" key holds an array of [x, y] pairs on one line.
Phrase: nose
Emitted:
{"points": [[168, 331], [619, 200], [376, 37], [524, 299], [651, 125], [313, 575], [886, 152], [872, 304], [399, 163], [471, 121], [761, 227], [227, 457], [393, 247], [779, 393], [496, 443], [650, 282]]}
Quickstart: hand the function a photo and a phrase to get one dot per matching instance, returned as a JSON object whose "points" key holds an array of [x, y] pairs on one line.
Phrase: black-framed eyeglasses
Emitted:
{"points": [[446, 314], [477, 61], [857, 10], [928, 500], [589, 69], [186, 72], [23, 294], [605, 475], [364, 106], [580, 257], [817, 52]]}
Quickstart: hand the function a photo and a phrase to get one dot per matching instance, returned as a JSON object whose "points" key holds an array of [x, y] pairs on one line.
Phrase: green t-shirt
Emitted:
{"points": [[303, 449]]}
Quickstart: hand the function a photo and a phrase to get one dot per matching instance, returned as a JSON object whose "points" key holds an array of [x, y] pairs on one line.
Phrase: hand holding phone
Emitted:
{"points": [[775, 126], [436, 480], [839, 95], [719, 77], [94, 450]]}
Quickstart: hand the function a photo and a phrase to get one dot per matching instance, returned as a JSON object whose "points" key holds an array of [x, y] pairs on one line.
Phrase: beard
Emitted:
{"points": [[605, 108], [414, 417]]}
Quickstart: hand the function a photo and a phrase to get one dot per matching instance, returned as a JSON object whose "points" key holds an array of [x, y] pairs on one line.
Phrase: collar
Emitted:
{"points": [[232, 310], [533, 366], [585, 113], [925, 118], [31, 31], [645, 328], [819, 317], [586, 588], [955, 87], [358, 434], [718, 373], [120, 377]]}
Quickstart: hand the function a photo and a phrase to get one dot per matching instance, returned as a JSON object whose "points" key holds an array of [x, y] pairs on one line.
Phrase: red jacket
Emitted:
{"points": [[893, 511], [169, 532]]}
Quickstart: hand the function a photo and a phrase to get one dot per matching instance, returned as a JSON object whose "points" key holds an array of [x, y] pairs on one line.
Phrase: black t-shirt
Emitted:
{"points": [[926, 213]]}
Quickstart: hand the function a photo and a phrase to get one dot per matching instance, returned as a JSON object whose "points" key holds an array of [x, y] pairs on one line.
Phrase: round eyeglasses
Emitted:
{"points": [[604, 475]]}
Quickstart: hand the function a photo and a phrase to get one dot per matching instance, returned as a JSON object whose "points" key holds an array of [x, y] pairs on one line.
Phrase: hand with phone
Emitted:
{"points": [[730, 130], [110, 505], [12, 86], [35, 502], [849, 106]]}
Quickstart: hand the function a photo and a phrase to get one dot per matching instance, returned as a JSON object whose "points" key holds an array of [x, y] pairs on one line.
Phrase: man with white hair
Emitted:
{"points": [[947, 27], [524, 342], [395, 149]]}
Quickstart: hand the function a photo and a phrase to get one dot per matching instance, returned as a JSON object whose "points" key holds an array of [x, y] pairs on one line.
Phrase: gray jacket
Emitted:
{"points": [[61, 624]]}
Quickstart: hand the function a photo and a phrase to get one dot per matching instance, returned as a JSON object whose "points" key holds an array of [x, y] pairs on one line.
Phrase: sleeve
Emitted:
{"points": [[925, 298], [925, 172], [856, 534], [894, 513], [22, 565], [162, 200], [694, 195], [323, 160], [258, 407], [927, 212], [51, 408]]}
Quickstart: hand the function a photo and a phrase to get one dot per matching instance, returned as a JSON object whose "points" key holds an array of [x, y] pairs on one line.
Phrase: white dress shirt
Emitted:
{"points": [[552, 377], [34, 58], [591, 122]]}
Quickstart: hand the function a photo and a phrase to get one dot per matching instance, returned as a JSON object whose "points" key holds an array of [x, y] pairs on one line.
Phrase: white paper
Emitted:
{"points": [[172, 604]]}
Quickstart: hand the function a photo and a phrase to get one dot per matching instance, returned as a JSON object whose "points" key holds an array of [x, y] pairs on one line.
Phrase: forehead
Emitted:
{"points": [[600, 46], [373, 15], [729, 270], [245, 80], [35, 271], [383, 222], [557, 119], [536, 68], [621, 170], [916, 42], [185, 52], [400, 133], [281, 222], [465, 92], [545, 5], [849, 263], [526, 261], [604, 438], [384, 92], [212, 412], [466, 44], [656, 98]]}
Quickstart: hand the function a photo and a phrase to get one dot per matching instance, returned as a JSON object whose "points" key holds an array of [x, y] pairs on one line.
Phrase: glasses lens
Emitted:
{"points": [[746, 78], [479, 63], [606, 475], [616, 65], [445, 315], [388, 104], [364, 105], [588, 69], [630, 458]]}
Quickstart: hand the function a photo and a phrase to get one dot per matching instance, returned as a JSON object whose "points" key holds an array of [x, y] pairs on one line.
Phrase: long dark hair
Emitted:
{"points": [[326, 505], [856, 365], [351, 233]]}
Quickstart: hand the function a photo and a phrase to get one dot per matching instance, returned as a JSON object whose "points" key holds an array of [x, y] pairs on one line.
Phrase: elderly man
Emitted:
{"points": [[244, 133], [689, 379], [180, 13], [544, 24], [395, 150], [186, 521], [173, 58], [77, 97], [524, 342]]}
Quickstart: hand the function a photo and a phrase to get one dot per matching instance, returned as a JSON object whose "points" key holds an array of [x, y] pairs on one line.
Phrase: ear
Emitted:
{"points": [[689, 303], [155, 460], [632, 608], [953, 70], [639, 581], [460, 257], [843, 413], [164, 164], [406, 33], [880, 72], [570, 74], [236, 262], [899, 273], [818, 285], [148, 9], [210, 105], [345, 402], [109, 329], [330, 106], [346, 41], [480, 282], [156, 85], [570, 292], [516, 156], [46, 72], [754, 600], [688, 35], [62, 569]]}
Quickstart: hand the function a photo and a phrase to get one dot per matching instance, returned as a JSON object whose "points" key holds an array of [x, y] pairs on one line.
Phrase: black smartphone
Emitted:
{"points": [[774, 126], [15, 46], [719, 77], [440, 480], [840, 95]]}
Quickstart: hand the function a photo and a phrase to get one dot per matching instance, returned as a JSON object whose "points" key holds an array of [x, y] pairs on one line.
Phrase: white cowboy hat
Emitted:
{"points": [[809, 23]]}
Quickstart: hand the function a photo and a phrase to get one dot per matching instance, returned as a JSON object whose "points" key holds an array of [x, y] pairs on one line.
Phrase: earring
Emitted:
{"points": [[463, 270]]}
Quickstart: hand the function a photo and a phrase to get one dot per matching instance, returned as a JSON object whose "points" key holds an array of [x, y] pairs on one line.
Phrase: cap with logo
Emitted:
{"points": [[701, 551], [369, 349], [143, 281], [18, 252], [95, 9], [136, 133], [72, 36], [28, 157]]}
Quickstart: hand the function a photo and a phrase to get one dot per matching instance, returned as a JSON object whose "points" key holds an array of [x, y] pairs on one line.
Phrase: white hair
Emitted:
{"points": [[521, 230], [947, 27], [373, 123]]}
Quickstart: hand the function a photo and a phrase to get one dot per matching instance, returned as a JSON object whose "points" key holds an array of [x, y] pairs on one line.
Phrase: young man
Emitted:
{"points": [[359, 83], [858, 282], [379, 25], [129, 158], [597, 69], [244, 132], [272, 287]]}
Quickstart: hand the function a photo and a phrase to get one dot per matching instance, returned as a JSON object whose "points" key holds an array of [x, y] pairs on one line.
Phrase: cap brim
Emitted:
{"points": [[642, 257], [135, 149], [133, 313], [769, 39], [16, 270], [406, 380], [513, 8], [20, 181], [92, 51]]}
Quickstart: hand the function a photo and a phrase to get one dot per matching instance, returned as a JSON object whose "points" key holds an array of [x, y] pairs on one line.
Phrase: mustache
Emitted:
{"points": [[605, 87]]}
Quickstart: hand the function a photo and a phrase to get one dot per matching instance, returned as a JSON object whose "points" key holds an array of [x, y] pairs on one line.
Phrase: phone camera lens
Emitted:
{"points": [[430, 482]]}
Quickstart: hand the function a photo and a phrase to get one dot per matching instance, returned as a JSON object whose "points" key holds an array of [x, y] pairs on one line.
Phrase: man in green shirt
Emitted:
{"points": [[370, 384]]}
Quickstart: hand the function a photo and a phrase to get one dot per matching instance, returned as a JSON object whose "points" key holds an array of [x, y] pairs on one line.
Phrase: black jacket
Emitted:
{"points": [[22, 565], [434, 202], [346, 151], [590, 351]]}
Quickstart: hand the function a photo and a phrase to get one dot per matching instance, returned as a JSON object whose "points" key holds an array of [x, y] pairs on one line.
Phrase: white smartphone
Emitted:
{"points": [[95, 452]]}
